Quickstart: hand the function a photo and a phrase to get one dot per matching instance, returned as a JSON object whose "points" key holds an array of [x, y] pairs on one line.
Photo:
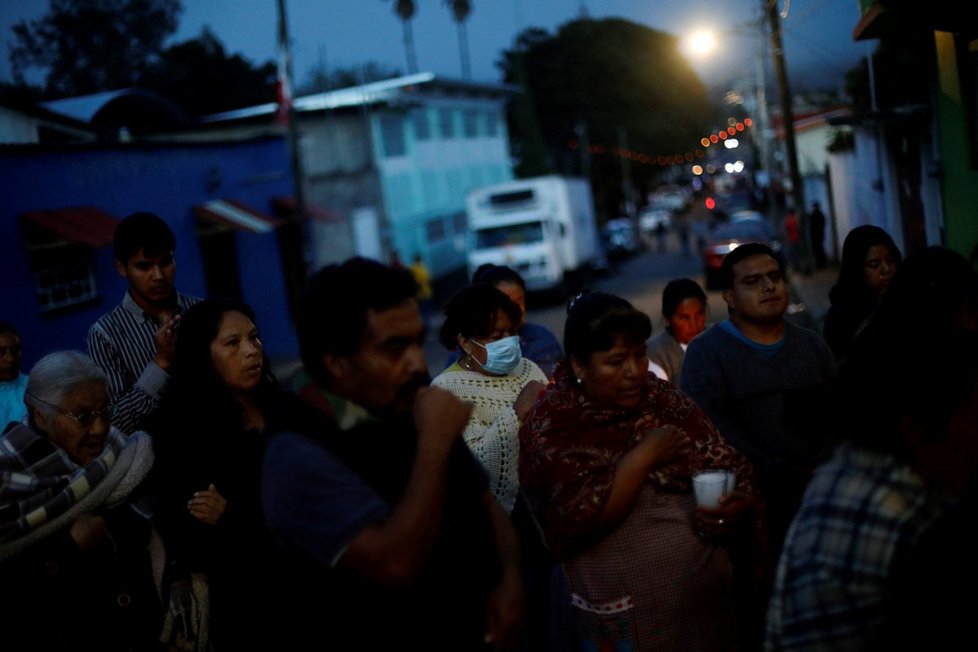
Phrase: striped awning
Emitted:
{"points": [[237, 215], [82, 224]]}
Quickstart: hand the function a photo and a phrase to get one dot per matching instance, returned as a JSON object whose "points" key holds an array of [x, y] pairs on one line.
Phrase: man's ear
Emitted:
{"points": [[728, 298], [461, 342], [338, 366], [120, 268]]}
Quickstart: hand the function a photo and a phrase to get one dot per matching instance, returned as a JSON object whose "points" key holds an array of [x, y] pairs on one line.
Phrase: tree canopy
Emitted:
{"points": [[88, 46], [607, 78], [203, 78]]}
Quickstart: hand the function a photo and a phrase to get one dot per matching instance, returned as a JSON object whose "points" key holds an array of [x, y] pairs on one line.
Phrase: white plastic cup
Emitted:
{"points": [[731, 481], [709, 485]]}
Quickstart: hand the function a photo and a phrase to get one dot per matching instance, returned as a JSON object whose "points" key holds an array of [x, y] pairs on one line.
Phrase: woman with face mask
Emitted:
{"points": [[482, 322], [493, 375]]}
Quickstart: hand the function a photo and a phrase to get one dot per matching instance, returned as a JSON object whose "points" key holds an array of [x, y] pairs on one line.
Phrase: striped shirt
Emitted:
{"points": [[123, 343]]}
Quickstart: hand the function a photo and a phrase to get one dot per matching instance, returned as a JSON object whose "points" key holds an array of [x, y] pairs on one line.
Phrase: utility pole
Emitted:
{"points": [[764, 120], [285, 68], [293, 238], [788, 119], [626, 177]]}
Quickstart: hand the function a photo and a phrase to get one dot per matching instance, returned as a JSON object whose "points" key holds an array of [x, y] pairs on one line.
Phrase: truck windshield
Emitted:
{"points": [[514, 234]]}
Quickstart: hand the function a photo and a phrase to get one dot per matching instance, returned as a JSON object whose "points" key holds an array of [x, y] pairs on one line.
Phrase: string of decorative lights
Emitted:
{"points": [[733, 128]]}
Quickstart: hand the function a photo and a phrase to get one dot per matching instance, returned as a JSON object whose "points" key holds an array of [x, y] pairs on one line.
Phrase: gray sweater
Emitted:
{"points": [[665, 351], [747, 393]]}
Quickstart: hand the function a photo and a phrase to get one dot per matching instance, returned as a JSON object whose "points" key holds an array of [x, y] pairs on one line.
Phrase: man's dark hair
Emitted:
{"points": [[496, 274], [144, 231], [333, 309], [740, 253], [471, 312], [678, 290], [6, 328]]}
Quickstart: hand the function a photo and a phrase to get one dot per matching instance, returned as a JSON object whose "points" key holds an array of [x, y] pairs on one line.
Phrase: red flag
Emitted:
{"points": [[283, 93]]}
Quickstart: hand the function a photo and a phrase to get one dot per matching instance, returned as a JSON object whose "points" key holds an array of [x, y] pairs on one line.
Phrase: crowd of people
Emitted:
{"points": [[164, 490]]}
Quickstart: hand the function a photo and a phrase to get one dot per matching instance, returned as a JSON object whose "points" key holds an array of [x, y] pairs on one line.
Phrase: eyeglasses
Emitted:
{"points": [[85, 419]]}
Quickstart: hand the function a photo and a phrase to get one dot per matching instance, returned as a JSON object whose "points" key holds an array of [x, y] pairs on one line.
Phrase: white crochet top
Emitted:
{"points": [[492, 429]]}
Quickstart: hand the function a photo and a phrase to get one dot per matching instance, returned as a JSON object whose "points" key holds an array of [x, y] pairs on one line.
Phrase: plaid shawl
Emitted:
{"points": [[42, 490]]}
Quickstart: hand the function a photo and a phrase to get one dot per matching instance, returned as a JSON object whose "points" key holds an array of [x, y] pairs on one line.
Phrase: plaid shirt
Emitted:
{"points": [[123, 343], [862, 513]]}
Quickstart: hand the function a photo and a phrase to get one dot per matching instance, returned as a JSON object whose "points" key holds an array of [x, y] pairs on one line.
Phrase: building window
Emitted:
{"points": [[436, 230], [459, 224], [446, 123], [392, 135], [492, 123], [63, 277], [422, 128], [470, 121]]}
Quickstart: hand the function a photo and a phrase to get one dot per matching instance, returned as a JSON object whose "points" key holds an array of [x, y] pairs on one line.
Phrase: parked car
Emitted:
{"points": [[727, 237], [747, 216], [620, 239], [673, 196]]}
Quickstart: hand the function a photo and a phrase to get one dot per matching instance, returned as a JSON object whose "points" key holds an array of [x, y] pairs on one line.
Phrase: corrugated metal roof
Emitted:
{"points": [[372, 93]]}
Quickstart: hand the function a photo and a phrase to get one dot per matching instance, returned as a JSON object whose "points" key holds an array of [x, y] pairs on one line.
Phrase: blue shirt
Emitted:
{"points": [[12, 406]]}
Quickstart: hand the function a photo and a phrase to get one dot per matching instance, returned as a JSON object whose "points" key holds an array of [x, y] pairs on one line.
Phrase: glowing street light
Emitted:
{"points": [[700, 44]]}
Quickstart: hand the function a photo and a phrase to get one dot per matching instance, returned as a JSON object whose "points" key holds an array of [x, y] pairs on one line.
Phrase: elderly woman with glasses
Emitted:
{"points": [[74, 526]]}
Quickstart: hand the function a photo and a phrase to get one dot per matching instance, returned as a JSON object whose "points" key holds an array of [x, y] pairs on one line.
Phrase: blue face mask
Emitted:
{"points": [[502, 356]]}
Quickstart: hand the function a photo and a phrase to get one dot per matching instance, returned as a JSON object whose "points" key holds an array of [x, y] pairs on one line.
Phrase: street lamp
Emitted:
{"points": [[701, 44], [769, 12]]}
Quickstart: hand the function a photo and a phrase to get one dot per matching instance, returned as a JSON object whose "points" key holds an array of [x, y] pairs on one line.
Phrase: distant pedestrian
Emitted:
{"points": [[682, 230], [792, 235], [13, 381], [816, 229], [423, 277], [660, 236]]}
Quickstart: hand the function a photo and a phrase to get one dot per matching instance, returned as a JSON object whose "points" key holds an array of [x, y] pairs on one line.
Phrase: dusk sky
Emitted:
{"points": [[817, 33]]}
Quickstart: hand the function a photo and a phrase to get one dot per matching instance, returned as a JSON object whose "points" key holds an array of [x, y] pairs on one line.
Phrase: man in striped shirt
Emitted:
{"points": [[134, 343]]}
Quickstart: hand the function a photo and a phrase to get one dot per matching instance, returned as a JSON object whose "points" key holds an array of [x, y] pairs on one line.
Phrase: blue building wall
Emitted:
{"points": [[168, 180]]}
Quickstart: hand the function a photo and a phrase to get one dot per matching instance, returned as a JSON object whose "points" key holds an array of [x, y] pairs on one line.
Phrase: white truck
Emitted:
{"points": [[543, 227]]}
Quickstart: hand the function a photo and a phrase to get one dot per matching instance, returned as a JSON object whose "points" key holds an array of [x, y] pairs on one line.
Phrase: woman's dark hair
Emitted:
{"points": [[471, 312], [595, 319], [850, 288], [194, 376], [496, 274], [678, 290]]}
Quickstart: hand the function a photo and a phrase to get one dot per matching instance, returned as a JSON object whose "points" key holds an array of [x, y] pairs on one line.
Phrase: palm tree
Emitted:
{"points": [[460, 11], [405, 9]]}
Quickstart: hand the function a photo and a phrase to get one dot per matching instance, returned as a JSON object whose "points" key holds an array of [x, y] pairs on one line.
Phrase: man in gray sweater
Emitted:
{"points": [[759, 377]]}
